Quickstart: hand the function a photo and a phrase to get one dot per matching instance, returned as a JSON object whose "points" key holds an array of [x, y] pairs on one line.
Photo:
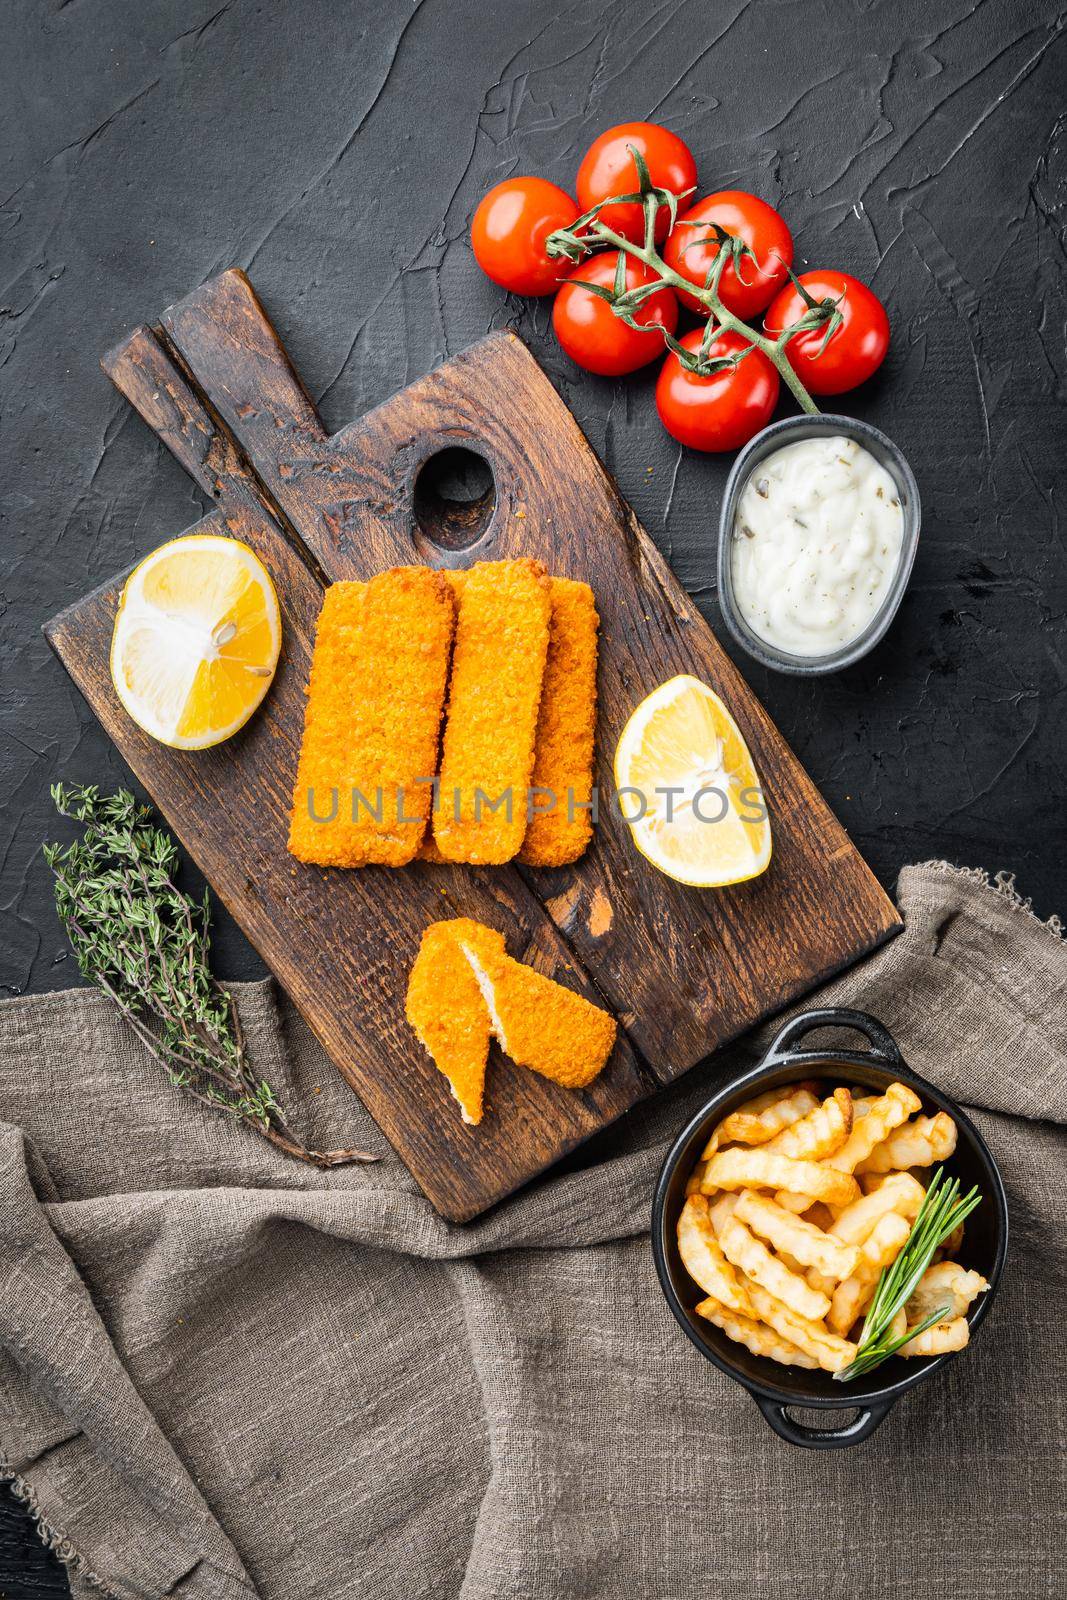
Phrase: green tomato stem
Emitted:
{"points": [[773, 349]]}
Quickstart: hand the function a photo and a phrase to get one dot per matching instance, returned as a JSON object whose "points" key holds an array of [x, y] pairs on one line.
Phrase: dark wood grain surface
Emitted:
{"points": [[682, 969]]}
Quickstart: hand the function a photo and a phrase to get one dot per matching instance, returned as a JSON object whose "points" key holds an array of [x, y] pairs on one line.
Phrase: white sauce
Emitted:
{"points": [[816, 544]]}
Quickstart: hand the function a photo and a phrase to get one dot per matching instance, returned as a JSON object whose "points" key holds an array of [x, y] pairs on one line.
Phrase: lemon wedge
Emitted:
{"points": [[688, 788], [196, 640]]}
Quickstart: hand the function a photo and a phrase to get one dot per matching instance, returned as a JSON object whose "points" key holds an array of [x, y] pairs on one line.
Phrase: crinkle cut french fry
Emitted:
{"points": [[946, 1284], [806, 1243], [922, 1142], [793, 1264], [831, 1352], [939, 1340], [899, 1193], [882, 1116], [762, 1169], [752, 1257], [820, 1133], [755, 1336], [810, 1215], [885, 1242], [870, 1181], [761, 1119], [949, 1248], [704, 1260], [721, 1209]]}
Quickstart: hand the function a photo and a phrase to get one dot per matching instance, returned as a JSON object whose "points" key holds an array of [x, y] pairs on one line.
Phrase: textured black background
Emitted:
{"points": [[337, 151]]}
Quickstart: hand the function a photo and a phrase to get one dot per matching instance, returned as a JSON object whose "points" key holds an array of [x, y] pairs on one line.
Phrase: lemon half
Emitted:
{"points": [[196, 640], [688, 788]]}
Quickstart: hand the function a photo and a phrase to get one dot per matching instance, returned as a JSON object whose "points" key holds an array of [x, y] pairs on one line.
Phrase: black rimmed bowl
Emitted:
{"points": [[777, 1389], [791, 430]]}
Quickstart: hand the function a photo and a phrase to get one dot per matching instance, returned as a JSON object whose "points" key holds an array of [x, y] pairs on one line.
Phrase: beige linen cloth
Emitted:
{"points": [[223, 1374]]}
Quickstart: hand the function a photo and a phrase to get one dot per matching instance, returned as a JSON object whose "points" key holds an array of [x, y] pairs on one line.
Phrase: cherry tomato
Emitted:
{"points": [[608, 168], [722, 412], [593, 335], [509, 231], [854, 350], [692, 251]]}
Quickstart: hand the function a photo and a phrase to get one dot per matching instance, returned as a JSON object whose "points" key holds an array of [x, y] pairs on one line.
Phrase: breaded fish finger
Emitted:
{"points": [[489, 742], [563, 765], [371, 727], [539, 1023], [455, 577], [446, 1009], [428, 851]]}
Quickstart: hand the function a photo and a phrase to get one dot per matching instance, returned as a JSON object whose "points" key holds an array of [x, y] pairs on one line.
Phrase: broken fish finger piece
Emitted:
{"points": [[539, 1023], [561, 823], [446, 1009], [498, 664], [363, 787]]}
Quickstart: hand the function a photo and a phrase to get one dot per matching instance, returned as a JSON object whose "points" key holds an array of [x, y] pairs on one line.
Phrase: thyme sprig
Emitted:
{"points": [[940, 1214], [590, 233], [146, 944]]}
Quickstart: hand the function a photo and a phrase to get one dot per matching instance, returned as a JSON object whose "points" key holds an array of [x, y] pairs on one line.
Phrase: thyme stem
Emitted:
{"points": [[146, 944]]}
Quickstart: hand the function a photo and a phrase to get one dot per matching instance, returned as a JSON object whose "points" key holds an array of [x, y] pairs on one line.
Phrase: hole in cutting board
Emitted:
{"points": [[455, 497]]}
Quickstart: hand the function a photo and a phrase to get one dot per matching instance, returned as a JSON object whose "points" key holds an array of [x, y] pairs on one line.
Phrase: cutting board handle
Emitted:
{"points": [[345, 494], [227, 339]]}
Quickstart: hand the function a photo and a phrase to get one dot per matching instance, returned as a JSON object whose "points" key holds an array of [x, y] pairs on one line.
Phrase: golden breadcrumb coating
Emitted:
{"points": [[446, 1009], [428, 851], [465, 989], [565, 727], [539, 1023], [455, 577], [488, 751], [372, 722]]}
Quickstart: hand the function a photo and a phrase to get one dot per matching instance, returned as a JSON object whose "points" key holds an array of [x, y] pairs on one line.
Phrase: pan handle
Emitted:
{"points": [[855, 1432], [882, 1042]]}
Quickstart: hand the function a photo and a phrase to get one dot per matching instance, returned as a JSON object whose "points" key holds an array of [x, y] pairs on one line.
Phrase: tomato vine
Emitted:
{"points": [[588, 233]]}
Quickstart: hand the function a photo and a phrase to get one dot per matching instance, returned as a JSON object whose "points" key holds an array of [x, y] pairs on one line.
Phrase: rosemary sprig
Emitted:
{"points": [[940, 1214], [146, 944]]}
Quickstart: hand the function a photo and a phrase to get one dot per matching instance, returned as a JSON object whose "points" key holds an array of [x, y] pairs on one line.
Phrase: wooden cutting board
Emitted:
{"points": [[683, 969]]}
